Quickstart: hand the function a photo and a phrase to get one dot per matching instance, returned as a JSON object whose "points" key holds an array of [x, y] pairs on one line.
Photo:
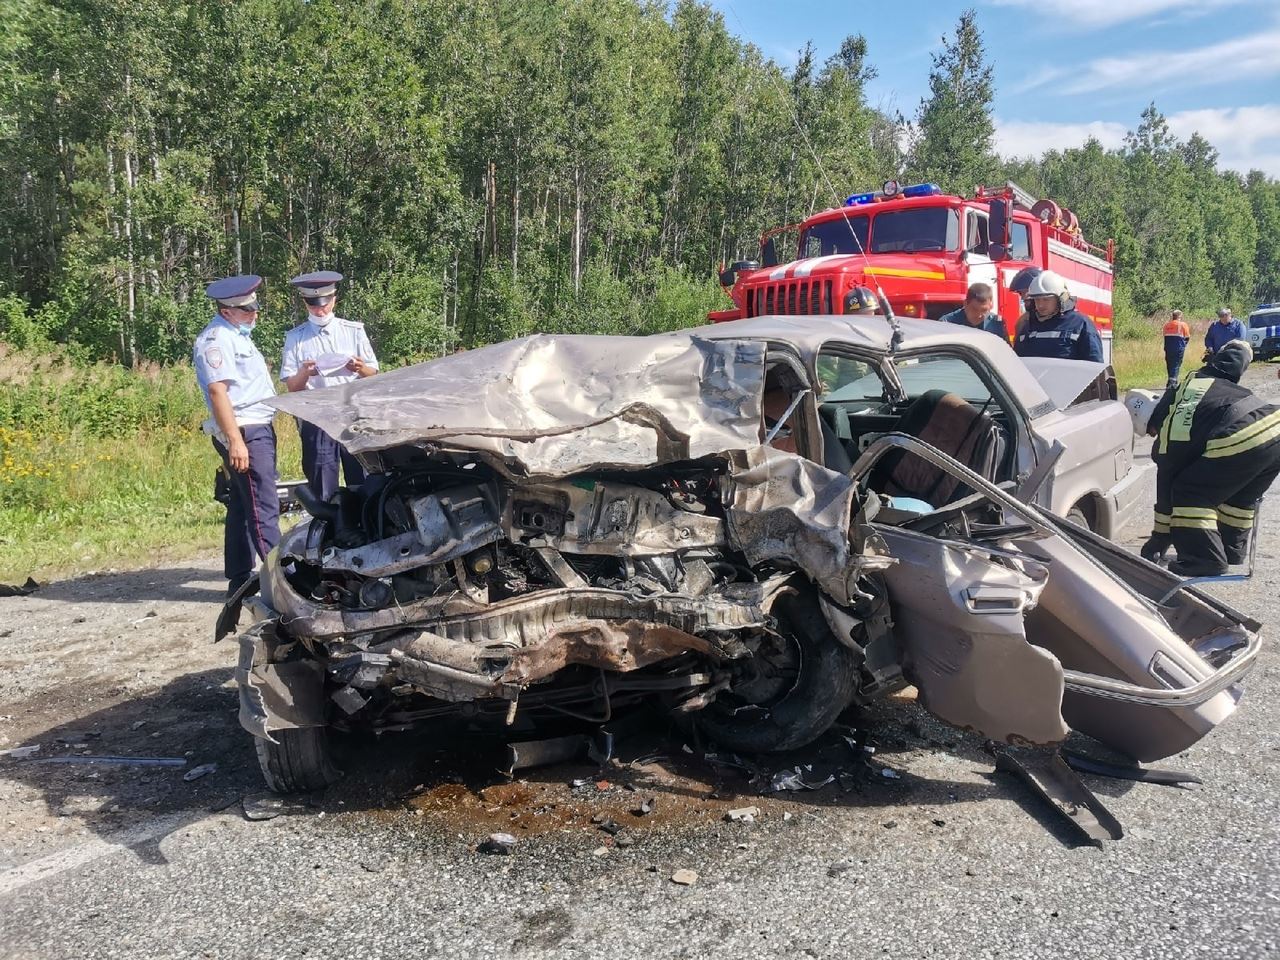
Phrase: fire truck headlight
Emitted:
{"points": [[891, 188], [909, 309]]}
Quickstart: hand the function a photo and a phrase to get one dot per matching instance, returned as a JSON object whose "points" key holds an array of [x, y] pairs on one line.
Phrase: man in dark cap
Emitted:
{"points": [[1217, 451], [235, 381], [323, 351]]}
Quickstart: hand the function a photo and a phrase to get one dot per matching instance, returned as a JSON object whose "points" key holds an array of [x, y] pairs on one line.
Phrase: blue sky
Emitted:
{"points": [[1065, 69]]}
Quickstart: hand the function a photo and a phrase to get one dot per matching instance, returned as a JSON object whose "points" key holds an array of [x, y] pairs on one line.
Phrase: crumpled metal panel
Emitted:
{"points": [[961, 620], [604, 517], [1095, 624], [457, 672], [276, 696], [618, 645], [781, 506], [733, 606], [552, 405]]}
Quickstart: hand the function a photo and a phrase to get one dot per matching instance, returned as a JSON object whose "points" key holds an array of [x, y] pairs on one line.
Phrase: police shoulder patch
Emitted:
{"points": [[213, 356]]}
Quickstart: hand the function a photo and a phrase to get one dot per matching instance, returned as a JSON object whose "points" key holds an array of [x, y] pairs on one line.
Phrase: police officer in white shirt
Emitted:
{"points": [[323, 351], [235, 381]]}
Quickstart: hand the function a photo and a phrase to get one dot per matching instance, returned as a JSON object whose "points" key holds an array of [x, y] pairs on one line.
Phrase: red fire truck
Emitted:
{"points": [[922, 248]]}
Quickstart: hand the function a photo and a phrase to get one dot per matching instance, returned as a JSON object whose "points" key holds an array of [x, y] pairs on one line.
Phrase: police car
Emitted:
{"points": [[1264, 331]]}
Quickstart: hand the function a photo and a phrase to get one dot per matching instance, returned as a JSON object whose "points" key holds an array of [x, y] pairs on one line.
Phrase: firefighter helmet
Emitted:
{"points": [[1022, 280], [1050, 284], [1141, 404]]}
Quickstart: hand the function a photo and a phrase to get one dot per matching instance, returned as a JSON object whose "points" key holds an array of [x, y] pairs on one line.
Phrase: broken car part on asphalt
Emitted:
{"points": [[561, 528], [1050, 777]]}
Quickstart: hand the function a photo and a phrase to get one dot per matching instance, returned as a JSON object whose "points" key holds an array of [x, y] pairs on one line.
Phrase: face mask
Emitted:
{"points": [[244, 329], [321, 322]]}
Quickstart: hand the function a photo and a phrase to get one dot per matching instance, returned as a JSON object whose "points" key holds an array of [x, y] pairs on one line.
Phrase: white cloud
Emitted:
{"points": [[1030, 138], [1246, 137], [1229, 61], [1084, 14]]}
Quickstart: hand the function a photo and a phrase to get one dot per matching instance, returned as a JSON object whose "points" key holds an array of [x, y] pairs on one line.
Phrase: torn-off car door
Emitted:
{"points": [[960, 617], [1150, 666]]}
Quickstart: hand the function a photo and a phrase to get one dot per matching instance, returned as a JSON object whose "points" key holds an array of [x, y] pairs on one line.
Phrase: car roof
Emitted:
{"points": [[809, 334]]}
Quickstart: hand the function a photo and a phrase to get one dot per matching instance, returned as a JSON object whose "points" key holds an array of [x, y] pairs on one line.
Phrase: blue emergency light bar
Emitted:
{"points": [[916, 190], [922, 190]]}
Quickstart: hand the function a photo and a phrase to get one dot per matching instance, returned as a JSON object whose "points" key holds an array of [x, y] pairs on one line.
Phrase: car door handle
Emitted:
{"points": [[983, 599]]}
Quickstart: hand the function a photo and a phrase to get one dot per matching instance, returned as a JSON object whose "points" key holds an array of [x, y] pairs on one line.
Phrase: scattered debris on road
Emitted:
{"points": [[498, 843], [21, 753], [1055, 782], [686, 878], [1120, 771], [794, 779], [19, 590], [195, 773], [129, 762]]}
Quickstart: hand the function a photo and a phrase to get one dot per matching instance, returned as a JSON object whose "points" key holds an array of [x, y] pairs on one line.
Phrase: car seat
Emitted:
{"points": [[834, 455], [952, 425]]}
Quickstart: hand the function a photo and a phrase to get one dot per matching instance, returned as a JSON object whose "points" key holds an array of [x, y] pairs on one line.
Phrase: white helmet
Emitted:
{"points": [[1050, 284], [1141, 404]]}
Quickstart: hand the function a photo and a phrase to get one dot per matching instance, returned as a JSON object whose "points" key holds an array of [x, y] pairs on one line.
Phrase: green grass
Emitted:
{"points": [[102, 467], [1137, 353], [1139, 363], [78, 503]]}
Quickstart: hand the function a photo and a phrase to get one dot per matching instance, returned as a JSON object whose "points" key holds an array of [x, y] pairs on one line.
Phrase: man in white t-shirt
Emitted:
{"points": [[323, 351]]}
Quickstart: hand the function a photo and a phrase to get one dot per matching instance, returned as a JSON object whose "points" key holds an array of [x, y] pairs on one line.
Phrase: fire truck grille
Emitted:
{"points": [[790, 297]]}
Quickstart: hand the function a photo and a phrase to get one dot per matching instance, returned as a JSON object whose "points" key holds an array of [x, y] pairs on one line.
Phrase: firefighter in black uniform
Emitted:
{"points": [[1217, 451]]}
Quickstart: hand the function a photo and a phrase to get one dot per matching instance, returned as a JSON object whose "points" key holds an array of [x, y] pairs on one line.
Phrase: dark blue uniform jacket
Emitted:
{"points": [[1068, 335]]}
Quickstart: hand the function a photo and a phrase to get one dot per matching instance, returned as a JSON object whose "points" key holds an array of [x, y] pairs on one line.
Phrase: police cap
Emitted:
{"points": [[235, 291], [317, 287]]}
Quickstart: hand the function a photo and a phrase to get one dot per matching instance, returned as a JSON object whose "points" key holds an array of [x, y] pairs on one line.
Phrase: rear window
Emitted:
{"points": [[919, 375]]}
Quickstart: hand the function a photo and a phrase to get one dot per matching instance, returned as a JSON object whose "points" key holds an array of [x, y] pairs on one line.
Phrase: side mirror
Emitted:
{"points": [[999, 227], [729, 276], [768, 254]]}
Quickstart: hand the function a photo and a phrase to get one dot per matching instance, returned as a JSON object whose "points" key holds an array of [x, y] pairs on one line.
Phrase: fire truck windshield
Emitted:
{"points": [[834, 236], [893, 231]]}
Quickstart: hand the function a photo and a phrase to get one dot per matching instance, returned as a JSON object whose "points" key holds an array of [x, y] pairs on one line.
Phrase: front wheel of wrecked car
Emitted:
{"points": [[798, 683], [298, 761]]}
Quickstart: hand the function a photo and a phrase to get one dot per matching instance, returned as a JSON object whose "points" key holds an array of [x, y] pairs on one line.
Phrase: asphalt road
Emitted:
{"points": [[949, 859]]}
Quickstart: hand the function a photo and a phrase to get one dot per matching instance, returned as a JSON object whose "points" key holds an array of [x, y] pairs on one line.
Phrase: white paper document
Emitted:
{"points": [[331, 363]]}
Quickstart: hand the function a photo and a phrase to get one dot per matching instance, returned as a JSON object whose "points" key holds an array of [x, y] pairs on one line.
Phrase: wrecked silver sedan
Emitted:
{"points": [[564, 526]]}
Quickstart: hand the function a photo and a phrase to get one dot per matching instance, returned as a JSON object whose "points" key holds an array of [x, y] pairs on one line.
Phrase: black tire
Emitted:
{"points": [[1078, 516], [824, 686], [299, 762]]}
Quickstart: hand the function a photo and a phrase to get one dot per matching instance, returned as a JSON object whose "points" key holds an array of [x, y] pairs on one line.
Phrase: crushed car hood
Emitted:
{"points": [[551, 405], [1063, 380]]}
